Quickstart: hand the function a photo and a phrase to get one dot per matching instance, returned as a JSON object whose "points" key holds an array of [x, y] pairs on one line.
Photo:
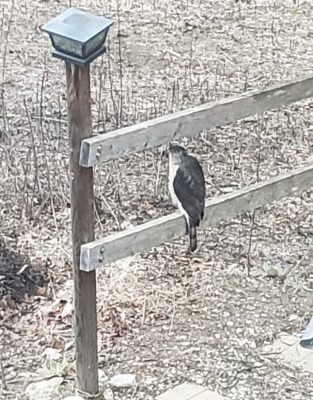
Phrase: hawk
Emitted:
{"points": [[187, 189]]}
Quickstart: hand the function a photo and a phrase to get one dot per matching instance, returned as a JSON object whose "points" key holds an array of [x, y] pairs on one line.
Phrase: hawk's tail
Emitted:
{"points": [[193, 237]]}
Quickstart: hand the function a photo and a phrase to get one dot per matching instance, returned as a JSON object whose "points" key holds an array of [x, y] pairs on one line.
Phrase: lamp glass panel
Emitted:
{"points": [[66, 45], [95, 43]]}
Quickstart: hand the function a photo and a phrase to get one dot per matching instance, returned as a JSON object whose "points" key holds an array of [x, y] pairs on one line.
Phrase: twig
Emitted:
{"points": [[144, 311], [254, 211], [172, 317], [250, 242], [36, 180], [115, 107], [4, 382], [44, 144], [120, 64], [100, 94], [157, 180], [289, 271], [111, 209], [6, 41]]}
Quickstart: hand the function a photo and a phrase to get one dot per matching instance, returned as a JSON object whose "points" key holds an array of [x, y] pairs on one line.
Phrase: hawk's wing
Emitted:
{"points": [[189, 187]]}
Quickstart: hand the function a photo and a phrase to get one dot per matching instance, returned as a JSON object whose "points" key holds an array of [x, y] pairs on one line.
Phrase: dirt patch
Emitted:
{"points": [[19, 277]]}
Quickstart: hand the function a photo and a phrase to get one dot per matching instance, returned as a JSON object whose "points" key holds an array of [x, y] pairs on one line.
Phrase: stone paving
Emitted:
{"points": [[188, 391], [289, 350], [287, 347]]}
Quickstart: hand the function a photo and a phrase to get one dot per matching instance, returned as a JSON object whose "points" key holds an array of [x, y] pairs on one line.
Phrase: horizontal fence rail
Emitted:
{"points": [[191, 122], [161, 230]]}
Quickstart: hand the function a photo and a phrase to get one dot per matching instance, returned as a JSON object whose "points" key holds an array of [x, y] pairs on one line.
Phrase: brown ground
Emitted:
{"points": [[202, 319]]}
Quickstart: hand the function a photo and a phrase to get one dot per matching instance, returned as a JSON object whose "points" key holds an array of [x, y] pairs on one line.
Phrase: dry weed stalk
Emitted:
{"points": [[120, 65], [252, 226], [6, 35]]}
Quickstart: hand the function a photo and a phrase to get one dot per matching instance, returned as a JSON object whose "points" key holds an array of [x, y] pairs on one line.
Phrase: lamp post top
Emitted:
{"points": [[78, 36], [77, 25]]}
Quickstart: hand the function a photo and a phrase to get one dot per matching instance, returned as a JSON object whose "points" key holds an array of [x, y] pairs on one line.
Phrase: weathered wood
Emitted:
{"points": [[192, 121], [166, 229], [82, 200]]}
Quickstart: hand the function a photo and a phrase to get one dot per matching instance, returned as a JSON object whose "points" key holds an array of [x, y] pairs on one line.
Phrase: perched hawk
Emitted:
{"points": [[187, 189]]}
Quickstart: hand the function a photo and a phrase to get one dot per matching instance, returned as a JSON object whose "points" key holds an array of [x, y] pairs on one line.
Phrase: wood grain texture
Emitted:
{"points": [[166, 229], [191, 122], [82, 211]]}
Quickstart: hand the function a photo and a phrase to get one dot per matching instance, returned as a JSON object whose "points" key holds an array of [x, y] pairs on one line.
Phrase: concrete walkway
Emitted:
{"points": [[289, 350], [188, 391], [286, 347]]}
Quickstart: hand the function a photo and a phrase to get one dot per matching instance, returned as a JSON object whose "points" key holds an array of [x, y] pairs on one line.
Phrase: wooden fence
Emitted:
{"points": [[191, 122]]}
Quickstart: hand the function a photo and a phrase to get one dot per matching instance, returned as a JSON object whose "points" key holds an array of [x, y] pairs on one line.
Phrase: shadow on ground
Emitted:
{"points": [[19, 277]]}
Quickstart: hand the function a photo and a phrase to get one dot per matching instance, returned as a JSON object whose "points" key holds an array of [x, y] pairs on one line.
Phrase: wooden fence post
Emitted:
{"points": [[82, 212]]}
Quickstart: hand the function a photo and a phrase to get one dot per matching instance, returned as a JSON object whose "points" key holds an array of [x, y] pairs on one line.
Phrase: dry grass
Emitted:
{"points": [[182, 319]]}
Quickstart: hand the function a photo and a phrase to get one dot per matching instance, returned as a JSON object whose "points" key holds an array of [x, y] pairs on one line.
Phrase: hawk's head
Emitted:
{"points": [[173, 150], [177, 152], [176, 149]]}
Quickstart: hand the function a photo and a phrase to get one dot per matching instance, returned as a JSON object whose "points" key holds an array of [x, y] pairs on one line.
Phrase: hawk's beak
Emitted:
{"points": [[164, 152]]}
